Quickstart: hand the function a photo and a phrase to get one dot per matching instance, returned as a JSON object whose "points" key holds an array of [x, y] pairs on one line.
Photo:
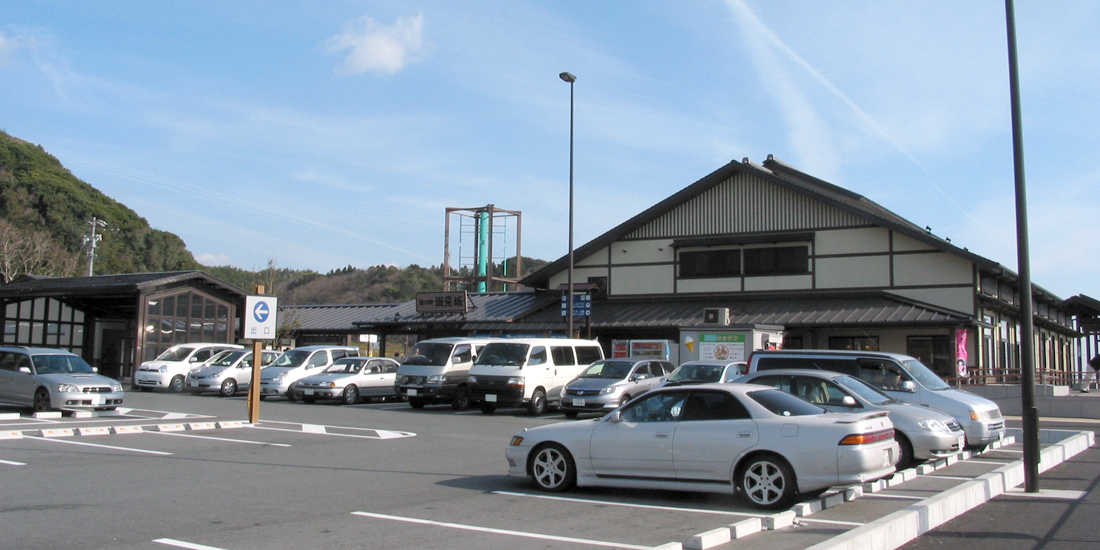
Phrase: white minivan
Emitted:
{"points": [[435, 371], [902, 377], [528, 371]]}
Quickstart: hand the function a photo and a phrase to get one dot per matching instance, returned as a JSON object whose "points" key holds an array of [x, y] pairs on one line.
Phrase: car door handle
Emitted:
{"points": [[745, 434], [661, 435]]}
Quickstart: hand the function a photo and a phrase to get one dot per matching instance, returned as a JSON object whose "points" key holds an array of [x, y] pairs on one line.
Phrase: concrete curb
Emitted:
{"points": [[905, 525]]}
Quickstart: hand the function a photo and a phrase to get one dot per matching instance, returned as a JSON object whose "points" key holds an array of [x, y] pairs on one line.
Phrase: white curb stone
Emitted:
{"points": [[745, 528]]}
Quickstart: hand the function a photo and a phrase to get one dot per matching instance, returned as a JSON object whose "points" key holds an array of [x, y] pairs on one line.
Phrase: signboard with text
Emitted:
{"points": [[260, 313], [442, 302]]}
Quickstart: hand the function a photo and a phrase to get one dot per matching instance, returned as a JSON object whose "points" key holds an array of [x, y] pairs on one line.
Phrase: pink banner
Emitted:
{"points": [[961, 356]]}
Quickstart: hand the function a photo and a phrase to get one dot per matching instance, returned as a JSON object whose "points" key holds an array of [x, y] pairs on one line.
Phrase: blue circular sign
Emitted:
{"points": [[261, 311]]}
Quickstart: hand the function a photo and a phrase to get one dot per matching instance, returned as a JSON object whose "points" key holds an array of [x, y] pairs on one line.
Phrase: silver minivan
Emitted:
{"points": [[902, 377]]}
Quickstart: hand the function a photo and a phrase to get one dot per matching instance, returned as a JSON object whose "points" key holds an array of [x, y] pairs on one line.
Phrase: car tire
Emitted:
{"points": [[461, 401], [42, 400], [262, 397], [905, 454], [290, 393], [416, 403], [570, 414], [552, 468], [624, 400], [229, 387], [767, 482], [488, 408], [176, 385], [537, 406], [351, 395]]}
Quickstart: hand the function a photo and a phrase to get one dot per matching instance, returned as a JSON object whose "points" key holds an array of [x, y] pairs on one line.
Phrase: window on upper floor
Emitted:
{"points": [[710, 263], [784, 260]]}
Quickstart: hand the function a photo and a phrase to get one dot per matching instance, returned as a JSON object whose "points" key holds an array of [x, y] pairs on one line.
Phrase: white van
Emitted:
{"points": [[435, 371], [528, 371], [169, 370], [903, 378]]}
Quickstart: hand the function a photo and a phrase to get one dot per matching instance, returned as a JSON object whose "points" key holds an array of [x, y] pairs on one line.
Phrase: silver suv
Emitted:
{"points": [[46, 378]]}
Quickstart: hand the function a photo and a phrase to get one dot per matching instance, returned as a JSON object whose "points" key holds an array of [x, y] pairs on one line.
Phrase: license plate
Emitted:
{"points": [[962, 442], [886, 462], [490, 398], [193, 383], [97, 400], [411, 392], [578, 402], [309, 392]]}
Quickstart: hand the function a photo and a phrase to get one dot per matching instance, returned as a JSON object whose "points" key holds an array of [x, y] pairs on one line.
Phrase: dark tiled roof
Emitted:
{"points": [[331, 318], [104, 284], [491, 307]]}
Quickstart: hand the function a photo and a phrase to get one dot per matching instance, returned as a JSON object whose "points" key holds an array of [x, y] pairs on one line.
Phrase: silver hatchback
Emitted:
{"points": [[609, 383], [47, 378]]}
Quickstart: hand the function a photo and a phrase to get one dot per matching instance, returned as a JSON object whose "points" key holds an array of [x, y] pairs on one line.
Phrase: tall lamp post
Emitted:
{"points": [[569, 300]]}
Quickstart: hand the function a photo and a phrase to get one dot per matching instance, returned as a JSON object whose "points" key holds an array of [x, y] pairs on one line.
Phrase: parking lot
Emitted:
{"points": [[181, 471]]}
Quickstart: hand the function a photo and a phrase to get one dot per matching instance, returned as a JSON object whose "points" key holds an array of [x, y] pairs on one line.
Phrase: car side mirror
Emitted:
{"points": [[615, 416], [25, 370], [909, 386], [848, 401], [639, 377], [95, 370], [193, 360]]}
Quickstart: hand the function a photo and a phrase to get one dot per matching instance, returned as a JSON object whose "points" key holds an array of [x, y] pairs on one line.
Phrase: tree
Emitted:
{"points": [[25, 251]]}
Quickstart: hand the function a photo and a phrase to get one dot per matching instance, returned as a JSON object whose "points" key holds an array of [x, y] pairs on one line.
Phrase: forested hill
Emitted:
{"points": [[45, 210]]}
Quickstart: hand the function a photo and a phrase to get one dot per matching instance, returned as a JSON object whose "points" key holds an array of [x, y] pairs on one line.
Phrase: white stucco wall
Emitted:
{"points": [[852, 241], [636, 252], [853, 272]]}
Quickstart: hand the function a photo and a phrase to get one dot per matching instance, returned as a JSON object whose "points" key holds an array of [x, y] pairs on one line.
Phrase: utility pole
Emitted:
{"points": [[91, 241]]}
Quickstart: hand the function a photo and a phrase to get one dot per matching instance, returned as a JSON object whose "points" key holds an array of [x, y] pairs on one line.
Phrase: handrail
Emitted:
{"points": [[979, 376]]}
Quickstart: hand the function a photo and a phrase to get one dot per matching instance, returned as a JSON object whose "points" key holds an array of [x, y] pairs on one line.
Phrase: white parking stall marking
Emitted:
{"points": [[189, 545], [10, 463], [112, 447], [221, 439], [326, 430], [629, 505], [504, 531]]}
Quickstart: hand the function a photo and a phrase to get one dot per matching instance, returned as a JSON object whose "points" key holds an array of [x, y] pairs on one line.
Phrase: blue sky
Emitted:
{"points": [[328, 134]]}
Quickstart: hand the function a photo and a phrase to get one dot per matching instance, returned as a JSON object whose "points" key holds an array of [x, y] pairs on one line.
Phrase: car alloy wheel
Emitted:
{"points": [[537, 406], [351, 395], [176, 385], [42, 400], [552, 468], [768, 482], [229, 387]]}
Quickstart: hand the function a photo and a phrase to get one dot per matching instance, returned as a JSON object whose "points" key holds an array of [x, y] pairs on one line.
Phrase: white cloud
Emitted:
{"points": [[212, 259], [376, 47], [7, 46]]}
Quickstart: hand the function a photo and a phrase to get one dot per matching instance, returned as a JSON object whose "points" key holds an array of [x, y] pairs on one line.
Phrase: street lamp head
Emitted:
{"points": [[568, 77]]}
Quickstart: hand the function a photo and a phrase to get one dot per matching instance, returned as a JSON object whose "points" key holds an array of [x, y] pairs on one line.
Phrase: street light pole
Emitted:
{"points": [[569, 300]]}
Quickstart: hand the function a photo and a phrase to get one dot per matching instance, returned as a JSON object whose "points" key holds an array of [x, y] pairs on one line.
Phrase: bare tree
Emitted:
{"points": [[28, 251]]}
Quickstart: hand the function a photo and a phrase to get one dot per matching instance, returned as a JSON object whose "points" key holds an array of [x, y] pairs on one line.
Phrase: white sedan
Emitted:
{"points": [[765, 444], [349, 380]]}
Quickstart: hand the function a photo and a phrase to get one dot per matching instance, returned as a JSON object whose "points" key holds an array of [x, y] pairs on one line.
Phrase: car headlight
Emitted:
{"points": [[471, 379], [931, 424], [163, 369], [116, 387], [516, 440], [279, 377], [515, 381], [436, 378], [609, 390], [68, 388], [980, 415], [329, 384]]}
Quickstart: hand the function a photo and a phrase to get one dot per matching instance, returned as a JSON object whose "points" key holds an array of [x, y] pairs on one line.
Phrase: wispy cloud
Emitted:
{"points": [[374, 47], [8, 45]]}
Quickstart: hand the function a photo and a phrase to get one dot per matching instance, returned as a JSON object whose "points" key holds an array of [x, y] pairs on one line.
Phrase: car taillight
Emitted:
{"points": [[872, 437]]}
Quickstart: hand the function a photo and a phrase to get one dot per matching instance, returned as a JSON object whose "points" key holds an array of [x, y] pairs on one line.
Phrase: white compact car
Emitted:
{"points": [[227, 372], [169, 370], [351, 379], [763, 443]]}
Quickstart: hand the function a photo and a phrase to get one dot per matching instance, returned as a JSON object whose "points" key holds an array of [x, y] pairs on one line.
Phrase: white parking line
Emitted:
{"points": [[182, 544], [95, 445], [505, 532], [629, 505], [220, 439], [10, 463]]}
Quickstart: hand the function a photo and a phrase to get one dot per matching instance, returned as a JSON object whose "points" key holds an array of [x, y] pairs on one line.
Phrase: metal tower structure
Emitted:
{"points": [[479, 231]]}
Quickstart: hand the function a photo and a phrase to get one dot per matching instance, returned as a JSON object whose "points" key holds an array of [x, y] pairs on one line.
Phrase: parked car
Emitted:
{"points": [[351, 379], [279, 377], [704, 372], [715, 438], [227, 372], [528, 371], [46, 378], [169, 370], [610, 383], [901, 377], [436, 370], [922, 433]]}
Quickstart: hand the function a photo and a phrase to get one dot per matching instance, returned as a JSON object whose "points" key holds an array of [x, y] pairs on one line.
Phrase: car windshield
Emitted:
{"points": [[501, 353], [784, 404], [866, 391], [226, 358], [60, 364], [291, 359], [175, 353], [346, 365], [615, 370], [924, 375], [696, 373], [432, 354]]}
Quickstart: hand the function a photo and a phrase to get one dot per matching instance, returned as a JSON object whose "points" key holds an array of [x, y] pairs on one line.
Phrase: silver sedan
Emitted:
{"points": [[922, 432], [757, 441], [349, 380]]}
